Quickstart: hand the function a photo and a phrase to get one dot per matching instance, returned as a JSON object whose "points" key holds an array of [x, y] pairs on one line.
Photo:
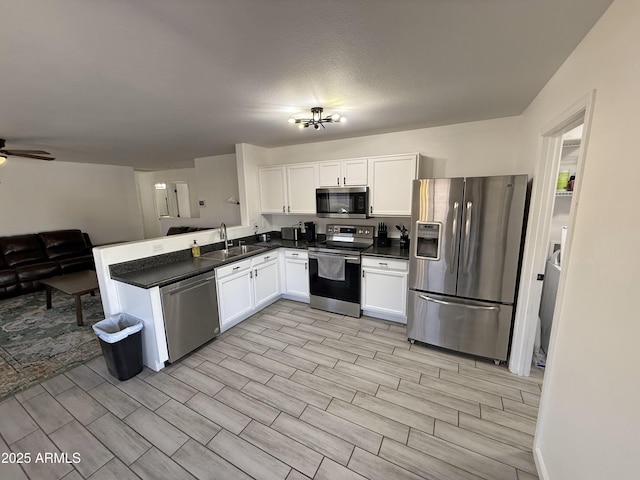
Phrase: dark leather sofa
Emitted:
{"points": [[27, 259]]}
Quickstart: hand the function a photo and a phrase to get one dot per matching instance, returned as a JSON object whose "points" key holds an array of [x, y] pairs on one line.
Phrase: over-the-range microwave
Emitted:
{"points": [[346, 202]]}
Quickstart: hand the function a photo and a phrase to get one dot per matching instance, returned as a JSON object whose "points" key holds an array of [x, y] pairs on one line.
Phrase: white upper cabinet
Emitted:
{"points": [[390, 183], [302, 181], [288, 188], [273, 189], [343, 173]]}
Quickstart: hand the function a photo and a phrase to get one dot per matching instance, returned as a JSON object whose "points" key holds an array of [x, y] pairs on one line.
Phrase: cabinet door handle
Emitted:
{"points": [[338, 181], [267, 257], [305, 265], [256, 273], [362, 273], [250, 274], [294, 254], [283, 209], [382, 264], [236, 268], [344, 180], [289, 209], [371, 209]]}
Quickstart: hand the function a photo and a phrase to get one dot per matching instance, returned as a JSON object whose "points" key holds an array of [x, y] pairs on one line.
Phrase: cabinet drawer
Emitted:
{"points": [[234, 267], [264, 257], [299, 254], [385, 263]]}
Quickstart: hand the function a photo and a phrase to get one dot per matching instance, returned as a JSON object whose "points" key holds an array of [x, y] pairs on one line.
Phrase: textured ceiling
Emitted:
{"points": [[156, 83]]}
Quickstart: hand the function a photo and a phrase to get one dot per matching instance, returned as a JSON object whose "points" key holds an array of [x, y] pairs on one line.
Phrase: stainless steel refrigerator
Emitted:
{"points": [[464, 260]]}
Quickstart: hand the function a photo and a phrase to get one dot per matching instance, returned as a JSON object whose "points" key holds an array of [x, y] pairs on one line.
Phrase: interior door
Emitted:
{"points": [[491, 233], [435, 234]]}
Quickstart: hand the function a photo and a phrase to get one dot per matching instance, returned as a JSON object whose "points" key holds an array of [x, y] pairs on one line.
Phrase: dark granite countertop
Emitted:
{"points": [[163, 270], [278, 242], [167, 273], [162, 274], [392, 251]]}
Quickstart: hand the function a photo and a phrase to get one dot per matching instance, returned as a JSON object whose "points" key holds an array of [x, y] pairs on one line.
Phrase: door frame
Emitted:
{"points": [[539, 223]]}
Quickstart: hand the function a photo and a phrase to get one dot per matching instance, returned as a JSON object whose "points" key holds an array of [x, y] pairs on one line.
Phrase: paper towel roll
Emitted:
{"points": [[563, 240]]}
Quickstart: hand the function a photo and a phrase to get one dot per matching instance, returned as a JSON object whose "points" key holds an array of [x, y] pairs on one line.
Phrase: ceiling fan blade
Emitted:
{"points": [[20, 152], [28, 155]]}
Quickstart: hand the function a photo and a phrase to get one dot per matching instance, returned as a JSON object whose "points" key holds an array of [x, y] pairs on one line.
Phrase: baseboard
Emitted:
{"points": [[540, 466], [295, 298], [385, 316]]}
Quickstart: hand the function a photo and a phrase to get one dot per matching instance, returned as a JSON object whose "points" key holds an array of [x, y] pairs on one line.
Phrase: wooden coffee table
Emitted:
{"points": [[76, 284]]}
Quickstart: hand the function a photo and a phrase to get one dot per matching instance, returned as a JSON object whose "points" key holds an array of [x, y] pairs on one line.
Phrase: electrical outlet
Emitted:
{"points": [[201, 203]]}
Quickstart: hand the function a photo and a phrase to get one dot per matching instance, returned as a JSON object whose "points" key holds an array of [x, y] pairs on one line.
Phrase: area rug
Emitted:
{"points": [[36, 343]]}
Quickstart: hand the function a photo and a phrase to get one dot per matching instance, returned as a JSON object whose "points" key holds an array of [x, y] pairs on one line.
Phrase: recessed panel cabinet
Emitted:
{"points": [[247, 286], [343, 173], [384, 288], [266, 281], [296, 275], [235, 293], [288, 188], [390, 182]]}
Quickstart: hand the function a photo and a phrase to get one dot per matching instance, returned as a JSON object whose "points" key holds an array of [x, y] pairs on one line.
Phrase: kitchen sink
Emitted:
{"points": [[233, 252]]}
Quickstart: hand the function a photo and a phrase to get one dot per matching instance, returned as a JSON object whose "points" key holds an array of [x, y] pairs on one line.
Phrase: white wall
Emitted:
{"points": [[145, 182], [488, 147], [101, 200], [217, 180], [589, 417]]}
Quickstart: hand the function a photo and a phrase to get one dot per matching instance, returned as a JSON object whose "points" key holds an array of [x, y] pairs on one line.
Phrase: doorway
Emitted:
{"points": [[537, 248], [558, 231]]}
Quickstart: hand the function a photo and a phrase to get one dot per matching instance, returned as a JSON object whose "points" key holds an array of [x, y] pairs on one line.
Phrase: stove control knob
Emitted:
{"points": [[359, 231], [366, 232]]}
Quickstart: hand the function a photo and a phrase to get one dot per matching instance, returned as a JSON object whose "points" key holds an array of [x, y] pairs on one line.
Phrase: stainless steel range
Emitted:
{"points": [[334, 269]]}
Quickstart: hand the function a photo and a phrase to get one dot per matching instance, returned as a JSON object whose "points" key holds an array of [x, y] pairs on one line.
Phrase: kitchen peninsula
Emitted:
{"points": [[246, 281]]}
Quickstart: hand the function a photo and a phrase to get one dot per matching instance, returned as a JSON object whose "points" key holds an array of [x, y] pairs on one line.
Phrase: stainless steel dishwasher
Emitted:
{"points": [[190, 309]]}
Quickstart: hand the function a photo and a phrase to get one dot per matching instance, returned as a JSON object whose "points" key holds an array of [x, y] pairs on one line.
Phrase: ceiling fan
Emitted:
{"points": [[37, 154]]}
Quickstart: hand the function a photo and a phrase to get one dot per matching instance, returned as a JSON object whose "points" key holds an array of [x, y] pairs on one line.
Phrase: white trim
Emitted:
{"points": [[543, 474], [536, 244]]}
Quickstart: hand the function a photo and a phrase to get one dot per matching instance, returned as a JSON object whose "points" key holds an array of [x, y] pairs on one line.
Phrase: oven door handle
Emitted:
{"points": [[347, 258]]}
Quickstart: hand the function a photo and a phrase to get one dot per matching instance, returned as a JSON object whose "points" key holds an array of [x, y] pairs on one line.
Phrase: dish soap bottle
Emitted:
{"points": [[195, 249]]}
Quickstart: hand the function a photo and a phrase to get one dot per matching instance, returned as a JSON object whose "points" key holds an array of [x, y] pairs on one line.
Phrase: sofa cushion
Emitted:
{"points": [[9, 285], [76, 264], [8, 277], [28, 273], [22, 250], [62, 244]]}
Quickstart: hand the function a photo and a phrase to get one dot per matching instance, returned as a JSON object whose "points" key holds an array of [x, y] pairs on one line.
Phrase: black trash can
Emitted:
{"points": [[121, 340]]}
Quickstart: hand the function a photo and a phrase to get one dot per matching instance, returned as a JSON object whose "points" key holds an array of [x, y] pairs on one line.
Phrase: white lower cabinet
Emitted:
{"points": [[234, 283], [266, 281], [247, 286], [384, 288], [296, 275]]}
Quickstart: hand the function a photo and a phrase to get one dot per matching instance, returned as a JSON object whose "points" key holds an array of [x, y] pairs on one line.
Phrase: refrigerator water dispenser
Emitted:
{"points": [[428, 240]]}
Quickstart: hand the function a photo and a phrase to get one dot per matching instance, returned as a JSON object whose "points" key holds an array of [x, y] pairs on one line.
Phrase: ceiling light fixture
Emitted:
{"points": [[2, 159], [317, 120]]}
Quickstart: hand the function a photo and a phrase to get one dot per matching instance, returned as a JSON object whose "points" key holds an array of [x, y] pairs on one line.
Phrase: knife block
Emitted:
{"points": [[383, 240]]}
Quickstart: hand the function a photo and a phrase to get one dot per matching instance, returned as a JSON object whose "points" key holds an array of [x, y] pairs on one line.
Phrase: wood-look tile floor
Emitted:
{"points": [[290, 393]]}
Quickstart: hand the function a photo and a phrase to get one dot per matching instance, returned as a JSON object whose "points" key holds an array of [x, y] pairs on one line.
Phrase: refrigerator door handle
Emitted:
{"points": [[467, 234], [454, 235], [442, 302]]}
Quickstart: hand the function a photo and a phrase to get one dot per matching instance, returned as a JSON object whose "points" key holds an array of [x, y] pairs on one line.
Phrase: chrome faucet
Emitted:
{"points": [[223, 236]]}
